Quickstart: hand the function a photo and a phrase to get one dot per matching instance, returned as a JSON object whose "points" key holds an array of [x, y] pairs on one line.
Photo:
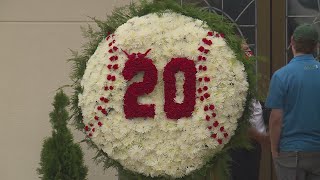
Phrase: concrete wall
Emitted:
{"points": [[35, 36]]}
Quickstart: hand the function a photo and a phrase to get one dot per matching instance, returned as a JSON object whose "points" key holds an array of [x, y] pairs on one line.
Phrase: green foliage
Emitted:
{"points": [[61, 159], [217, 165]]}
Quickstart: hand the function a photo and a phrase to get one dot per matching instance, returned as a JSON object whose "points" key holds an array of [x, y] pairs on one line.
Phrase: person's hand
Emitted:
{"points": [[264, 139]]}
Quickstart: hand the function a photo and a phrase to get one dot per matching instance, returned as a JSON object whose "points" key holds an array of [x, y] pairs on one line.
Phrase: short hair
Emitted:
{"points": [[305, 46]]}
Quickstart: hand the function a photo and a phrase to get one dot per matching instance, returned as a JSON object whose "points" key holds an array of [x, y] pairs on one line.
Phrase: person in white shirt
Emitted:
{"points": [[246, 163]]}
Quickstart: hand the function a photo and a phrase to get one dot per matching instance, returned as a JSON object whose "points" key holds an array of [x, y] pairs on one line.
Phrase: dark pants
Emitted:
{"points": [[298, 166], [245, 163]]}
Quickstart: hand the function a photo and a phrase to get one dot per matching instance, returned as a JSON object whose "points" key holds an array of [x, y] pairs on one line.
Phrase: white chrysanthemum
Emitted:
{"points": [[160, 146]]}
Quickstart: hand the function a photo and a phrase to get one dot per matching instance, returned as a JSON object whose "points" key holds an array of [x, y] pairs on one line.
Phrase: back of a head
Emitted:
{"points": [[305, 38]]}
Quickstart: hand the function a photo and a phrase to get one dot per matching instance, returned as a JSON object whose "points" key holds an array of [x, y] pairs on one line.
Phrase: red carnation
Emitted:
{"points": [[204, 68], [201, 49], [215, 124], [213, 135], [225, 135]]}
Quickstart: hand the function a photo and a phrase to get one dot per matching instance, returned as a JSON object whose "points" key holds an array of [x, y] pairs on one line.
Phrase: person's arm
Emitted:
{"points": [[262, 138], [275, 124]]}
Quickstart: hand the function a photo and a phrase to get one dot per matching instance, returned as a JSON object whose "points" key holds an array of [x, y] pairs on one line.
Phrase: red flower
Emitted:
{"points": [[86, 128], [211, 107], [100, 123], [208, 118], [110, 51], [206, 51], [209, 127], [106, 88], [214, 114], [206, 108], [96, 118], [204, 68], [222, 129], [200, 79], [109, 66], [201, 49], [104, 111], [210, 33], [215, 124], [213, 135], [116, 66], [199, 58], [111, 87], [201, 98], [205, 88], [93, 129], [199, 90], [206, 79], [225, 135], [91, 124], [115, 48], [101, 98], [99, 108], [220, 141], [106, 100], [204, 58], [206, 95]]}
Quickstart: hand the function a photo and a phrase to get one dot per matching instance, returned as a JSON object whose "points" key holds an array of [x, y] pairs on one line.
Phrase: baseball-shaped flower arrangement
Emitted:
{"points": [[162, 93]]}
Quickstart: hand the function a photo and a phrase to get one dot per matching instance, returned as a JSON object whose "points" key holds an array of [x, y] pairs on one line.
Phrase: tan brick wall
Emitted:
{"points": [[35, 36]]}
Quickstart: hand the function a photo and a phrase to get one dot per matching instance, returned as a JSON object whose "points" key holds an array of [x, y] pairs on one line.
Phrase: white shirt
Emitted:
{"points": [[256, 119]]}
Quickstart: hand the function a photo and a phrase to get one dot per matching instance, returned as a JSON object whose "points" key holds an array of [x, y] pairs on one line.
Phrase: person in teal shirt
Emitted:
{"points": [[294, 97]]}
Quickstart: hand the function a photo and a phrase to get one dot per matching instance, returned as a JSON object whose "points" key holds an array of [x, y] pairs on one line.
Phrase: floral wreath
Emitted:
{"points": [[163, 95]]}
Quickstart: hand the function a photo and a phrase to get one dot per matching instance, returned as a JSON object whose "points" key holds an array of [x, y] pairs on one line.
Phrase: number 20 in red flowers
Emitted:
{"points": [[172, 109]]}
